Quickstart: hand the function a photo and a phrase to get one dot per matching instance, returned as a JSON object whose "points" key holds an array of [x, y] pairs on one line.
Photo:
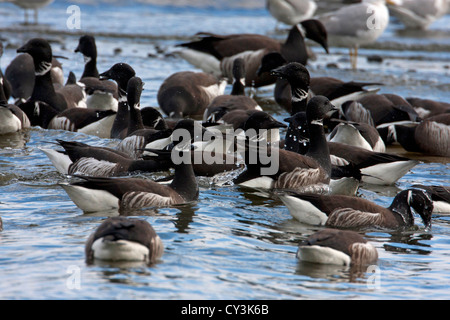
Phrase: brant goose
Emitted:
{"points": [[124, 239], [345, 179], [356, 134], [12, 118], [376, 167], [93, 194], [88, 121], [20, 75], [291, 170], [431, 136], [350, 26], [440, 195], [43, 90], [81, 159], [188, 93], [121, 73], [339, 247], [342, 211], [291, 12], [413, 14], [208, 52], [102, 94], [236, 99], [427, 108]]}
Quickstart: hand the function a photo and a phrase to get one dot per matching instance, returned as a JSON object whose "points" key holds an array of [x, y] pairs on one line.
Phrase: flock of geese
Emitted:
{"points": [[336, 134]]}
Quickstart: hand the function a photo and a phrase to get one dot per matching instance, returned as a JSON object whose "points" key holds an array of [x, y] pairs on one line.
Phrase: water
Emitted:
{"points": [[232, 243]]}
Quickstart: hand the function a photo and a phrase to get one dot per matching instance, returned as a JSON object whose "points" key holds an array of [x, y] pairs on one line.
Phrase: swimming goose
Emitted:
{"points": [[102, 94], [12, 118], [121, 73], [291, 12], [187, 93], [339, 247], [440, 195], [376, 167], [431, 136], [81, 159], [93, 194], [354, 212], [356, 25], [236, 99], [208, 52], [414, 14], [283, 169], [124, 239]]}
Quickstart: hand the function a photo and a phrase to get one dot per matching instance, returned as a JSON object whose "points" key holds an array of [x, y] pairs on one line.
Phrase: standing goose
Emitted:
{"points": [[353, 212], [209, 52], [124, 239], [187, 93], [121, 73], [339, 247], [102, 94]]}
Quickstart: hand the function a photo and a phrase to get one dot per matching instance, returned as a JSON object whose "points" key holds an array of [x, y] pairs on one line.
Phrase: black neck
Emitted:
{"points": [[318, 148], [238, 88], [294, 49], [90, 69], [185, 182]]}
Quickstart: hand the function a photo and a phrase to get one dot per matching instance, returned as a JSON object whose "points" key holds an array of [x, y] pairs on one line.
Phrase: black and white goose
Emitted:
{"points": [[357, 134], [20, 75], [124, 239], [215, 53], [101, 94], [94, 194], [431, 136], [283, 169], [237, 98], [43, 90], [375, 167], [12, 118], [354, 212], [440, 195], [338, 247], [188, 93], [121, 73], [82, 159]]}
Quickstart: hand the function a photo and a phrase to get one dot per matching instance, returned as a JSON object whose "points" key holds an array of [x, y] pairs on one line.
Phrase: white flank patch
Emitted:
{"points": [[101, 128], [259, 183], [59, 160], [90, 200], [8, 121], [304, 211], [387, 173], [120, 250], [204, 61], [323, 255]]}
